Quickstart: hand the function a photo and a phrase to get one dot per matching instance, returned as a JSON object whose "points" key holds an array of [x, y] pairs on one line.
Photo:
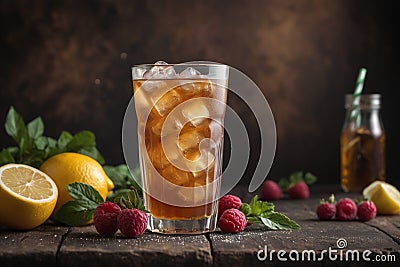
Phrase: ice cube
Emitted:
{"points": [[158, 158], [200, 162], [176, 176], [190, 87], [173, 125], [195, 111], [161, 70], [195, 196], [160, 62], [189, 73], [167, 102], [190, 140]]}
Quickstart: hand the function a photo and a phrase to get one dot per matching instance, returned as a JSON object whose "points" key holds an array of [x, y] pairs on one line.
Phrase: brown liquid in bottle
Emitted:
{"points": [[363, 159]]}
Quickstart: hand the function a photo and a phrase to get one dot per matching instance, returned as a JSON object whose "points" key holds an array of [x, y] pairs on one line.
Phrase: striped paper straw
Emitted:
{"points": [[357, 92]]}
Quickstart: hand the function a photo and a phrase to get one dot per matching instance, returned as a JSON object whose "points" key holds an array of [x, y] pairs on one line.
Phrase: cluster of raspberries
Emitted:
{"points": [[346, 210], [108, 218]]}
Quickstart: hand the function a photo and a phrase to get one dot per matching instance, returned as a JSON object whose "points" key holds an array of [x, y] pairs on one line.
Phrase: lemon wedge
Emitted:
{"points": [[385, 196], [27, 196]]}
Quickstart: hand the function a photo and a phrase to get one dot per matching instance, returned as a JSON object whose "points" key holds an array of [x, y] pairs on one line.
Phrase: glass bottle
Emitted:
{"points": [[362, 143]]}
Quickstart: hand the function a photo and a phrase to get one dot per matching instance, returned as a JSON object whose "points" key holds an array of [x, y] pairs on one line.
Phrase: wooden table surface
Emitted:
{"points": [[55, 245]]}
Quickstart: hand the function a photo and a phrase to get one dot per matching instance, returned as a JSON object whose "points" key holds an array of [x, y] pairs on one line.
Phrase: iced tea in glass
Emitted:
{"points": [[180, 110]]}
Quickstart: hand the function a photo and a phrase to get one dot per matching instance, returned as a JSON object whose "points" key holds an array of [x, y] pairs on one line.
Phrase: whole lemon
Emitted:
{"points": [[67, 168]]}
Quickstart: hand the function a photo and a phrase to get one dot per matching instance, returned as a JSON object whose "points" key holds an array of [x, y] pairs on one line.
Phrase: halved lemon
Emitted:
{"points": [[27, 196], [385, 196]]}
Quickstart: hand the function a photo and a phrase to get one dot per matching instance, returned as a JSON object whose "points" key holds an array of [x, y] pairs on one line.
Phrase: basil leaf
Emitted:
{"points": [[74, 214], [35, 128], [6, 157], [85, 194], [81, 140]]}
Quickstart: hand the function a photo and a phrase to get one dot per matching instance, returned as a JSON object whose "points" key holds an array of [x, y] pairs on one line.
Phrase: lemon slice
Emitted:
{"points": [[27, 196], [385, 196]]}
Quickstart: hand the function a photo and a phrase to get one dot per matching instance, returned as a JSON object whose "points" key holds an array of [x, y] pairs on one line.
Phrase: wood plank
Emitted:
{"points": [[389, 225], [84, 247], [37, 247], [241, 249]]}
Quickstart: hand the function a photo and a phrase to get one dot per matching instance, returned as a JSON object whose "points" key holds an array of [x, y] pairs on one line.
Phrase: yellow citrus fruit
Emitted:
{"points": [[67, 168], [27, 196], [385, 196]]}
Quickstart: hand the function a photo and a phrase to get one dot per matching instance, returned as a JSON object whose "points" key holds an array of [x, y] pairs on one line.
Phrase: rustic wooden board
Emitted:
{"points": [[241, 249], [84, 246], [37, 247], [52, 245]]}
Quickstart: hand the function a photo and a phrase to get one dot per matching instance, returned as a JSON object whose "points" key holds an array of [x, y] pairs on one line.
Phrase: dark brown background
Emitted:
{"points": [[69, 62]]}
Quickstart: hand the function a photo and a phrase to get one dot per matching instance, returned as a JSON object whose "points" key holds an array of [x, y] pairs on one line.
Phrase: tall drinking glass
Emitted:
{"points": [[180, 110]]}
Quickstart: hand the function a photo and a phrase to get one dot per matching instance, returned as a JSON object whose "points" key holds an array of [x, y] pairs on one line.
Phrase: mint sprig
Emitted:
{"points": [[294, 178], [80, 210], [33, 148], [264, 213]]}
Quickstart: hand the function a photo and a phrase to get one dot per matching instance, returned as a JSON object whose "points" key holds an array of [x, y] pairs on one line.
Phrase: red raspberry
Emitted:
{"points": [[105, 218], [232, 221], [366, 211], [228, 202], [132, 222], [326, 209], [270, 191], [346, 209], [299, 191]]}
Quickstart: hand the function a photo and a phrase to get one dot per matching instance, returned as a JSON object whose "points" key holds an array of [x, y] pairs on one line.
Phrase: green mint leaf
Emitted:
{"points": [[129, 199], [13, 150], [296, 177], [51, 142], [64, 139], [260, 207], [85, 195], [81, 140], [123, 178], [41, 142], [245, 208], [74, 214], [254, 219], [15, 126], [278, 221], [93, 153], [284, 184], [35, 128], [6, 157], [310, 178]]}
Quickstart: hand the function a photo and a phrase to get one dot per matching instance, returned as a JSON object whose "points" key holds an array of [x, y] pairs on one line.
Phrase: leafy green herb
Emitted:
{"points": [[294, 178], [264, 213], [80, 210], [33, 148], [129, 199], [122, 177]]}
